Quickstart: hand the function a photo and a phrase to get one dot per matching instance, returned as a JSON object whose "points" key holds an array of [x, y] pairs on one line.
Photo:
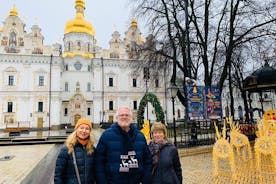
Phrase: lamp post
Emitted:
{"points": [[50, 93], [173, 91]]}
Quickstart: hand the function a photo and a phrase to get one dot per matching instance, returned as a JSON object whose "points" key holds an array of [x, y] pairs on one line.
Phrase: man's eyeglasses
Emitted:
{"points": [[124, 115]]}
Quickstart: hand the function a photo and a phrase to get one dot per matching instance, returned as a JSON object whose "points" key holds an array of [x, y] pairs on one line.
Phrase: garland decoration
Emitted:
{"points": [[152, 98]]}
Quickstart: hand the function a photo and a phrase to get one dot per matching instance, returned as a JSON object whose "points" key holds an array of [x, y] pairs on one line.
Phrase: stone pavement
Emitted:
{"points": [[197, 169], [34, 164], [24, 161], [28, 161]]}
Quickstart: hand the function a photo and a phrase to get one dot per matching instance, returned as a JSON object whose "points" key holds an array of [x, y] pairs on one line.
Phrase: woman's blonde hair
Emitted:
{"points": [[71, 141], [158, 126]]}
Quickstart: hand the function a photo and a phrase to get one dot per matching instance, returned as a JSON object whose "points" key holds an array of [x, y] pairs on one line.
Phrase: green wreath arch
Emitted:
{"points": [[152, 98]]}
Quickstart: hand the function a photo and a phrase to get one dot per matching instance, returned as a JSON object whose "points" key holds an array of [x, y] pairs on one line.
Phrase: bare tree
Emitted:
{"points": [[217, 29]]}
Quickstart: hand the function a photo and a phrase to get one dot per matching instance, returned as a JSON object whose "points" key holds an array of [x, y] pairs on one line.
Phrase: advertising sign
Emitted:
{"points": [[213, 102], [196, 95]]}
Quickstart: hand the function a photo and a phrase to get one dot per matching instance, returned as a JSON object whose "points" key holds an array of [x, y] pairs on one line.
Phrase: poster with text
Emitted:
{"points": [[213, 102], [196, 102]]}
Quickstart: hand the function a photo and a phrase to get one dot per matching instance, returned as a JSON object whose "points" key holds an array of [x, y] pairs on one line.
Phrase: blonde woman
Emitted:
{"points": [[166, 164], [79, 144]]}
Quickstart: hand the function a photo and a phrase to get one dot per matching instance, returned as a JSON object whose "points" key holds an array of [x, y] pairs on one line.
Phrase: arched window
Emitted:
{"points": [[12, 39], [88, 86], [78, 45], [178, 114], [240, 112], [69, 46], [88, 47], [77, 86], [66, 86]]}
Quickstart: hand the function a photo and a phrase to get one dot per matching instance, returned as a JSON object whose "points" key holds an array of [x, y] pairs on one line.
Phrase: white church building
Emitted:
{"points": [[50, 86]]}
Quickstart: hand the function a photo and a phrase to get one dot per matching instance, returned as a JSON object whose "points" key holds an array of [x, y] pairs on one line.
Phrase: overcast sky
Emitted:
{"points": [[52, 15]]}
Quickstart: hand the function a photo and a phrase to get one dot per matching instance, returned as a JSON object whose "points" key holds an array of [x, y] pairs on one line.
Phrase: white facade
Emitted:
{"points": [[44, 86]]}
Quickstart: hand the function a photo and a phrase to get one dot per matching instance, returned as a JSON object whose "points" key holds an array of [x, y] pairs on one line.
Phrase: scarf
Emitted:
{"points": [[82, 141], [155, 149]]}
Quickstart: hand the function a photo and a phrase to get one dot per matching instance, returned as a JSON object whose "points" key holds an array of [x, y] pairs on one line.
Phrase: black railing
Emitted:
{"points": [[198, 133]]}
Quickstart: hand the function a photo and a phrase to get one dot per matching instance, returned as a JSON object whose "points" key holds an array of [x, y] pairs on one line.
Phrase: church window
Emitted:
{"points": [[156, 83], [88, 86], [178, 113], [66, 86], [110, 105], [78, 65], [135, 105], [88, 111], [40, 107], [9, 107], [146, 73], [65, 111], [12, 39], [88, 47], [78, 45], [134, 82], [77, 87], [66, 67], [11, 80], [110, 82], [240, 112], [41, 81], [89, 68], [133, 46], [69, 46]]}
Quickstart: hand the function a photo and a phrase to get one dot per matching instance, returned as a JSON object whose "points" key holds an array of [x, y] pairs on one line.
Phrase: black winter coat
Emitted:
{"points": [[168, 170], [65, 170], [117, 151]]}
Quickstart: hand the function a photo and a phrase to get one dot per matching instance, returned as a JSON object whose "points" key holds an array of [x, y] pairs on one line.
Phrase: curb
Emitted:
{"points": [[41, 172], [184, 152]]}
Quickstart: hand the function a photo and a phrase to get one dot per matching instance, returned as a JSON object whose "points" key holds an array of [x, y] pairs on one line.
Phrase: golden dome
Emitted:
{"points": [[79, 24], [13, 12], [134, 23]]}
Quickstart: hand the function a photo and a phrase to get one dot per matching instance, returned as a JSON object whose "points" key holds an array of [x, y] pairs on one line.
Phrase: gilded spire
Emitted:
{"points": [[80, 7], [134, 23], [13, 11]]}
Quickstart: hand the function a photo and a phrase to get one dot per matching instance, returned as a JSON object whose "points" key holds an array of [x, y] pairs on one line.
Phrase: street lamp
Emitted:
{"points": [[173, 91]]}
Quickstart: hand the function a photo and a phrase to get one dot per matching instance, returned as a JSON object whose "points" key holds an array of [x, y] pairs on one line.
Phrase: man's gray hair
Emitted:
{"points": [[123, 107]]}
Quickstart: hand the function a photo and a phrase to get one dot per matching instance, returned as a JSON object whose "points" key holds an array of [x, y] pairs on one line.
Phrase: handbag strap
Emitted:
{"points": [[76, 167]]}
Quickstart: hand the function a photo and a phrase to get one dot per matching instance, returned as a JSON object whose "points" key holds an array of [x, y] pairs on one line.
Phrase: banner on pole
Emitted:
{"points": [[213, 102], [196, 102]]}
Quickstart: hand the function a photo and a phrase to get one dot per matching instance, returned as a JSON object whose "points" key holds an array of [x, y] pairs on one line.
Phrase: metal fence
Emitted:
{"points": [[192, 133], [198, 133]]}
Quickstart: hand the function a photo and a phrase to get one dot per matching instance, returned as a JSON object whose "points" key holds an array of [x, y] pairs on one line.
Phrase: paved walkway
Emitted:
{"points": [[24, 161], [29, 161]]}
